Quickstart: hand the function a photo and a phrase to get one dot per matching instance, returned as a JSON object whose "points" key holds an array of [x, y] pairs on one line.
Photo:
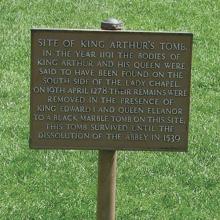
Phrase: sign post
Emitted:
{"points": [[109, 90], [107, 164]]}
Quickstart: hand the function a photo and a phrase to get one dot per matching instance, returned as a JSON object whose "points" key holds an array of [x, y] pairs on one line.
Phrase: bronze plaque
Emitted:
{"points": [[110, 90]]}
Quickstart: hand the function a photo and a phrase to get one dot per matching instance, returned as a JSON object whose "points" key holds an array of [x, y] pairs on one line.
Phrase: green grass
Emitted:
{"points": [[63, 184]]}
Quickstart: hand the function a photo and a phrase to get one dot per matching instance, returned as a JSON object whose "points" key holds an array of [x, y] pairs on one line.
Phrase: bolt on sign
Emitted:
{"points": [[110, 90]]}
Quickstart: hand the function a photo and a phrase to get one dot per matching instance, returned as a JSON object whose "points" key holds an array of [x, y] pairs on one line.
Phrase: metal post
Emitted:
{"points": [[107, 162]]}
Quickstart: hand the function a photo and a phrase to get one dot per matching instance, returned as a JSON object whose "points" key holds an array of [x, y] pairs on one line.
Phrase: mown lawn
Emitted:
{"points": [[62, 184]]}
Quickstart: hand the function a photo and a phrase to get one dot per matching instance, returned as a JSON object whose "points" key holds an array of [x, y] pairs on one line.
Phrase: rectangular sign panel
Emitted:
{"points": [[110, 90]]}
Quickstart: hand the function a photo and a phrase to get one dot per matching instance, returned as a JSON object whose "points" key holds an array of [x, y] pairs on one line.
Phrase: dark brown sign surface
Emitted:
{"points": [[110, 90]]}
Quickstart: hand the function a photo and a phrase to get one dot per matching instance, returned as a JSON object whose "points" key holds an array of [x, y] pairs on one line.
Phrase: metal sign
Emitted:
{"points": [[110, 90]]}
